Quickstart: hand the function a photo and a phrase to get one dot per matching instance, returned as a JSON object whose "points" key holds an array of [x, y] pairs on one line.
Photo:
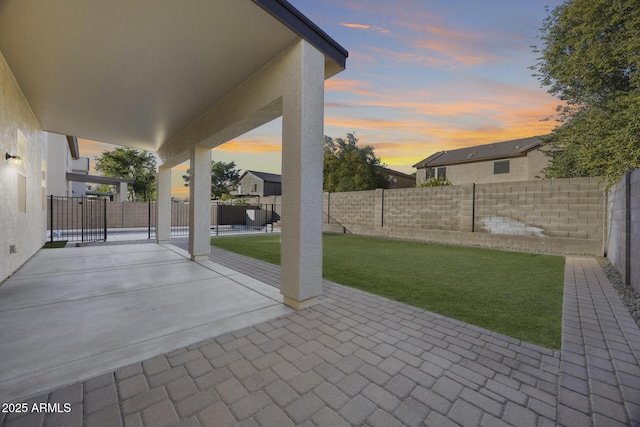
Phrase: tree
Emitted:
{"points": [[133, 164], [348, 167], [224, 176], [590, 59]]}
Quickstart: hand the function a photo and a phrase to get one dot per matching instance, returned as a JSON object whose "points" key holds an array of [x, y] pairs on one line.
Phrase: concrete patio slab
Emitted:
{"points": [[70, 314]]}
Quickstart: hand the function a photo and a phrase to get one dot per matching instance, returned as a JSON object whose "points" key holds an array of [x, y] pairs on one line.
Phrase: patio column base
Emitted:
{"points": [[299, 305], [199, 257]]}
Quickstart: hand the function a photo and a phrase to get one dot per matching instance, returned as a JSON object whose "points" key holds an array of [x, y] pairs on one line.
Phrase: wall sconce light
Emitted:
{"points": [[13, 159]]}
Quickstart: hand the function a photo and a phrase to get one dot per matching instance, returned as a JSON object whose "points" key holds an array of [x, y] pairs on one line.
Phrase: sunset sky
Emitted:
{"points": [[422, 76]]}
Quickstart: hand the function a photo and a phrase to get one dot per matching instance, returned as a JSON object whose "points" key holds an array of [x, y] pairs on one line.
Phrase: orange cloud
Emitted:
{"points": [[344, 85], [407, 57], [360, 26], [455, 51], [264, 145]]}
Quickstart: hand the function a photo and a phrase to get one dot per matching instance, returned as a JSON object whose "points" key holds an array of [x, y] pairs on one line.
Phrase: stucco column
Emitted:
{"points": [[121, 192], [163, 205], [302, 137], [200, 203]]}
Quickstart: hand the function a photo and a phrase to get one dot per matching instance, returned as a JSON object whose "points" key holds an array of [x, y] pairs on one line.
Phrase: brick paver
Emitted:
{"points": [[359, 359]]}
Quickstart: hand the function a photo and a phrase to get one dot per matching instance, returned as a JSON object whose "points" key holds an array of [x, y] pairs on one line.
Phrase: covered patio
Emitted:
{"points": [[71, 314], [178, 80]]}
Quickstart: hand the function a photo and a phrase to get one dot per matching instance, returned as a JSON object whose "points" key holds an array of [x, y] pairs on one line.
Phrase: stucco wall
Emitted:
{"points": [[58, 159], [562, 216], [25, 231], [246, 185], [482, 172], [520, 169], [537, 160]]}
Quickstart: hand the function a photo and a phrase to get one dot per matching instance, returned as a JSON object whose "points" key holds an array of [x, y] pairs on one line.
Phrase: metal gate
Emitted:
{"points": [[77, 219]]}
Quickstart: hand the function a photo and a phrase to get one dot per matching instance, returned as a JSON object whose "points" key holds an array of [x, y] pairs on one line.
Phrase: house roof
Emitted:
{"points": [[396, 173], [265, 176], [137, 73], [496, 150]]}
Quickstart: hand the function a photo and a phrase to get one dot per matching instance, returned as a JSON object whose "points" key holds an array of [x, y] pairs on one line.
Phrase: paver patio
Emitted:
{"points": [[359, 359]]}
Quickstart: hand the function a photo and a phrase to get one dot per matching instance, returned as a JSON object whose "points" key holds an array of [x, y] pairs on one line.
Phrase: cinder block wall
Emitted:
{"points": [[623, 228], [437, 208], [350, 208], [561, 216], [571, 208]]}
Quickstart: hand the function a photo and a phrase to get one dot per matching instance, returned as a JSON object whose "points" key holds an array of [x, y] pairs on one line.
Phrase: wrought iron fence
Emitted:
{"points": [[89, 219], [77, 219], [231, 219]]}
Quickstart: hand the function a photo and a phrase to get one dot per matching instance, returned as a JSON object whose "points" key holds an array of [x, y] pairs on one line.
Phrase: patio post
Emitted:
{"points": [[163, 205], [302, 136], [200, 203]]}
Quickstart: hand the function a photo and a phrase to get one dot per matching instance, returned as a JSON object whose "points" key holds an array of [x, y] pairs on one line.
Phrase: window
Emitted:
{"points": [[500, 166], [254, 188], [439, 174], [431, 173]]}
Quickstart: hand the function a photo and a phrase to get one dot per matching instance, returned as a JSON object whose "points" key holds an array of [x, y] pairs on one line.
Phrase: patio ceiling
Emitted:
{"points": [[136, 73]]}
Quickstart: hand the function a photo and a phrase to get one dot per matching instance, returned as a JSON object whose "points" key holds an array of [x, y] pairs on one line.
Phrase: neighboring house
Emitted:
{"points": [[152, 89], [398, 179], [516, 160], [254, 183], [69, 173]]}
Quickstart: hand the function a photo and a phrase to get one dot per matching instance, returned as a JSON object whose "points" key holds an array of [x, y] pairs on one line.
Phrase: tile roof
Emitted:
{"points": [[496, 150]]}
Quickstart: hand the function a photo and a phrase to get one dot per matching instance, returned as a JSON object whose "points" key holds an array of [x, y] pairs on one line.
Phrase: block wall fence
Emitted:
{"points": [[563, 216], [623, 228]]}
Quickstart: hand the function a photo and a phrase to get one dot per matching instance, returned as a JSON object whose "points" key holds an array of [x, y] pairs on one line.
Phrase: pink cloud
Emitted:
{"points": [[365, 27]]}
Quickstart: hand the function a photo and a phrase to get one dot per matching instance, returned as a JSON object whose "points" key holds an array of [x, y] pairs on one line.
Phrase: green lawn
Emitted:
{"points": [[57, 244], [516, 294]]}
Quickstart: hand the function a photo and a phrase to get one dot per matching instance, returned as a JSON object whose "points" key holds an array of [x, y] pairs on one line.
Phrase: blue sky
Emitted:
{"points": [[422, 76]]}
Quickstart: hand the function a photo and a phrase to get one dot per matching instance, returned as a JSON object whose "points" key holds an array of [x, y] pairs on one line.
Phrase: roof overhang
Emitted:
{"points": [[136, 73], [72, 142], [435, 163], [96, 179]]}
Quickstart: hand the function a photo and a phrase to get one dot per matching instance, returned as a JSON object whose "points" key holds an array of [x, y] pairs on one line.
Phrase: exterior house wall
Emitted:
{"points": [[559, 216], [263, 188], [272, 189], [58, 164], [482, 172], [525, 168], [537, 160], [399, 181], [246, 185], [25, 231]]}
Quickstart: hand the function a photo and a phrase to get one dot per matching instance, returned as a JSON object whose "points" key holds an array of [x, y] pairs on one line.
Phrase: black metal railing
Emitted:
{"points": [[232, 219], [84, 219], [77, 219]]}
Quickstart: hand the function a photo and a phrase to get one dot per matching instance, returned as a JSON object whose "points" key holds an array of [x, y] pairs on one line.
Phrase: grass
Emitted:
{"points": [[57, 244], [516, 294]]}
